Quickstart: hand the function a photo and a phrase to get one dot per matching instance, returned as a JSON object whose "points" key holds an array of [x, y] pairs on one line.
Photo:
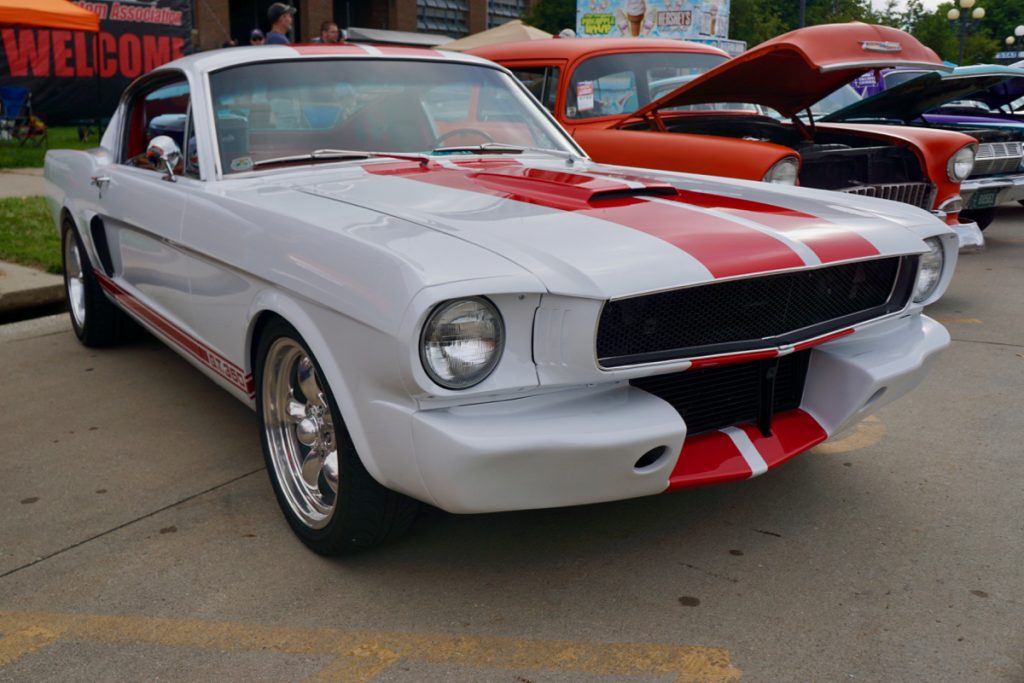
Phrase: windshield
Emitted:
{"points": [[271, 110], [622, 83], [843, 97]]}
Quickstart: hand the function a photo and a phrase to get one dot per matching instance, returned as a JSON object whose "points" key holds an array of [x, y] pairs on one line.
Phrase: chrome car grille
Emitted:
{"points": [[751, 313], [997, 157], [713, 398], [921, 195]]}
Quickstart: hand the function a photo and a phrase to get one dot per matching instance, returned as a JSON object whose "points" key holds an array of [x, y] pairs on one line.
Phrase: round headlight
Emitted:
{"points": [[462, 342], [783, 171], [960, 165], [929, 270]]}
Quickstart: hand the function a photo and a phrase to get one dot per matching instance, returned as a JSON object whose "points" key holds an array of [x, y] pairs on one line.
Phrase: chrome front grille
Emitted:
{"points": [[997, 157], [917, 194]]}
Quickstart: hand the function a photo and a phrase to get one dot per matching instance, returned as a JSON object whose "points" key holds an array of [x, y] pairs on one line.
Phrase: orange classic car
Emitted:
{"points": [[682, 106]]}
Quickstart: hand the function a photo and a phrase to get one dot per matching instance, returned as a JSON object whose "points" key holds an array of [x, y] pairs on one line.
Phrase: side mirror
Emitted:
{"points": [[163, 153]]}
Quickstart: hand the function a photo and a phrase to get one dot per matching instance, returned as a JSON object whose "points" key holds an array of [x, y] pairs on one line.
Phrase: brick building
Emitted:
{"points": [[216, 20]]}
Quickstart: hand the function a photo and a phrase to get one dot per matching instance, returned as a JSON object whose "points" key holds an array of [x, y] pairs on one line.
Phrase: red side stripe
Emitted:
{"points": [[725, 248], [201, 352]]}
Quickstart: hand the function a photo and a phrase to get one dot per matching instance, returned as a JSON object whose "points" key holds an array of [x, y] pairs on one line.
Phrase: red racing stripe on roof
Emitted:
{"points": [[726, 248], [341, 49], [827, 240]]}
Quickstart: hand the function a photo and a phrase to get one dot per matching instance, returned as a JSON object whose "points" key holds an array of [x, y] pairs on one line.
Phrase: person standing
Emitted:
{"points": [[256, 37], [329, 34], [281, 19]]}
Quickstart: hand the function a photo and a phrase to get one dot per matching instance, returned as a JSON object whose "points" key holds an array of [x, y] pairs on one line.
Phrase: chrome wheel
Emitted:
{"points": [[300, 432], [75, 279]]}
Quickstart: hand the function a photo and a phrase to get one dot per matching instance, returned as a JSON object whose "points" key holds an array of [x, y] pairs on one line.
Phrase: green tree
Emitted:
{"points": [[754, 21], [552, 15]]}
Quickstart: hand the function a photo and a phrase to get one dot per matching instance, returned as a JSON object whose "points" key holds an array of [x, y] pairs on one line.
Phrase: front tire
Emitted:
{"points": [[983, 217], [330, 501], [94, 318]]}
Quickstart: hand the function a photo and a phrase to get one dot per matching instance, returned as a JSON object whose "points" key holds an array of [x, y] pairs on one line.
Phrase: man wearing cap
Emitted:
{"points": [[280, 16], [256, 37]]}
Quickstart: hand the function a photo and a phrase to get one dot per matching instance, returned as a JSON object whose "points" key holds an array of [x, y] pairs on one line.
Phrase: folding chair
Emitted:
{"points": [[17, 120]]}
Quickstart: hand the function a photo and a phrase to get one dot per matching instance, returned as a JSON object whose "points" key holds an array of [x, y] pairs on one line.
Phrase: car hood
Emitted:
{"points": [[909, 101], [791, 72], [603, 232]]}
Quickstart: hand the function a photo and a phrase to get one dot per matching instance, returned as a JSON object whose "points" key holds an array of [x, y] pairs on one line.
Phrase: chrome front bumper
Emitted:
{"points": [[1010, 188]]}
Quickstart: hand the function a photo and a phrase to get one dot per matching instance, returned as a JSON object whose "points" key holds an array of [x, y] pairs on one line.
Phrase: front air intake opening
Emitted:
{"points": [[651, 458]]}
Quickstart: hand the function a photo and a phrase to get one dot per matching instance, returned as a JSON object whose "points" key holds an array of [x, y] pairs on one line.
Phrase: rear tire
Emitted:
{"points": [[330, 501], [94, 318], [983, 217]]}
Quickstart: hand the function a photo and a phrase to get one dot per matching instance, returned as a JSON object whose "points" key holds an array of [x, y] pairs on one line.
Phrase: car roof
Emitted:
{"points": [[573, 48], [213, 60]]}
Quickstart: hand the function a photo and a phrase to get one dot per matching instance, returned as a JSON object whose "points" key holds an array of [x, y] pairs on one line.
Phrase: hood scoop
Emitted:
{"points": [[566, 189]]}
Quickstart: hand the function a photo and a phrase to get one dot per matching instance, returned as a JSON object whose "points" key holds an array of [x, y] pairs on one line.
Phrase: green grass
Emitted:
{"points": [[13, 155], [27, 233]]}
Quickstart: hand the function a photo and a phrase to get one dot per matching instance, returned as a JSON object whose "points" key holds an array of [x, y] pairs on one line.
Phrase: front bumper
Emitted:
{"points": [[582, 445], [969, 235], [1005, 188]]}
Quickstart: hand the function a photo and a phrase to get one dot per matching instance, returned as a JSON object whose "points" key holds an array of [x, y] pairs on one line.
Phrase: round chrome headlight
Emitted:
{"points": [[462, 342], [929, 270], [783, 172], [960, 165]]}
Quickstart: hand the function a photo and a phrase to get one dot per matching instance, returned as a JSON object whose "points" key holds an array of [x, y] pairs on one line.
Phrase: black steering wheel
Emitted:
{"points": [[461, 131]]}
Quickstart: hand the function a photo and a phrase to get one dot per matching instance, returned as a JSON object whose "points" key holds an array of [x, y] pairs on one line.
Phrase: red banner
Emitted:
{"points": [[74, 75]]}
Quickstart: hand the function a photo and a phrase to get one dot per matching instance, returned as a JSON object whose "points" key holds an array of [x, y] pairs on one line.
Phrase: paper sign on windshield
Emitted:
{"points": [[585, 95]]}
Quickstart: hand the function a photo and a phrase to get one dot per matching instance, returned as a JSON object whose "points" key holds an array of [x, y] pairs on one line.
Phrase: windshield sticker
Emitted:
{"points": [[585, 95], [241, 164]]}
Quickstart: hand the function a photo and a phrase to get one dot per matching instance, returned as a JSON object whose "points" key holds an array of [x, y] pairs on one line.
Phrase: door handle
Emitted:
{"points": [[100, 181]]}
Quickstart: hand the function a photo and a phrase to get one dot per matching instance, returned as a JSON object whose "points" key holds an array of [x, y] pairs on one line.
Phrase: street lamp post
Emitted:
{"points": [[1017, 33], [964, 21]]}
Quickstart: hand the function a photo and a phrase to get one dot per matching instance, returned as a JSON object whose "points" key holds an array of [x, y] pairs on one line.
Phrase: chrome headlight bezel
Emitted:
{"points": [[961, 164], [432, 357], [785, 171], [930, 268]]}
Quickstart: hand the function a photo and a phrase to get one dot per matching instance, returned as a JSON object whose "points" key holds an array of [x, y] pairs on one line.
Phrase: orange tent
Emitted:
{"points": [[47, 14]]}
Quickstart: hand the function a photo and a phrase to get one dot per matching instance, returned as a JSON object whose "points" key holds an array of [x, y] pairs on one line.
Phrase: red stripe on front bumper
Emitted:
{"points": [[712, 457]]}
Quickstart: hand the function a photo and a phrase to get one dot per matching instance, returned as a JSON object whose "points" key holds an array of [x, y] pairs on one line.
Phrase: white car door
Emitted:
{"points": [[142, 210]]}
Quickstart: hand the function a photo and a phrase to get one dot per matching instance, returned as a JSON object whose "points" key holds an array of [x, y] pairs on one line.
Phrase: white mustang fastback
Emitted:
{"points": [[427, 292]]}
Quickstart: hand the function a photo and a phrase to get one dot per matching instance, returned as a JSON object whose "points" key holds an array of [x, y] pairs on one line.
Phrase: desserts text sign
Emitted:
{"points": [[61, 68], [654, 18]]}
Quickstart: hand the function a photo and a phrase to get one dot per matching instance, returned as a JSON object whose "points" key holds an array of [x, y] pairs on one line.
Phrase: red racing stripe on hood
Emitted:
{"points": [[828, 241], [724, 247]]}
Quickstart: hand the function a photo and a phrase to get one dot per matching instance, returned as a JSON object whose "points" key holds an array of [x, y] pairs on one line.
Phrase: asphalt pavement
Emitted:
{"points": [[140, 540]]}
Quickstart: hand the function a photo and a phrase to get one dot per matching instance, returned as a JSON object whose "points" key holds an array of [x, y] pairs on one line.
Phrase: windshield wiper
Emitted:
{"points": [[502, 148], [341, 154]]}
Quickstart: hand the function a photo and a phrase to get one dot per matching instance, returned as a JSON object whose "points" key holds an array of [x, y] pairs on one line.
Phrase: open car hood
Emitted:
{"points": [[909, 101], [791, 72]]}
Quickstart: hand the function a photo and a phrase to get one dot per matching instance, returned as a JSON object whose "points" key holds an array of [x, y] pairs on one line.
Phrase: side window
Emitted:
{"points": [[542, 81], [160, 109]]}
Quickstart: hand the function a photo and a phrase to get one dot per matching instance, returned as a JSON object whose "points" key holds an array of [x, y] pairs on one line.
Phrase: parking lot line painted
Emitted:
{"points": [[361, 656]]}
